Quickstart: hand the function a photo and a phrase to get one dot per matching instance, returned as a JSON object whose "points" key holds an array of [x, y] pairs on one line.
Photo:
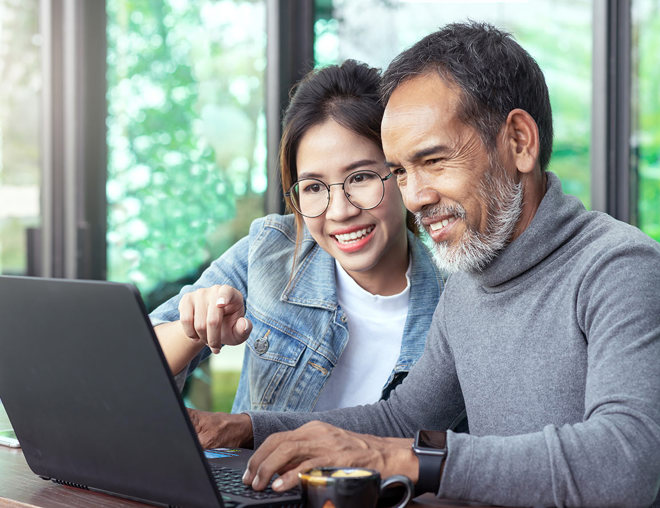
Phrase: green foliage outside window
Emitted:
{"points": [[186, 135], [646, 108]]}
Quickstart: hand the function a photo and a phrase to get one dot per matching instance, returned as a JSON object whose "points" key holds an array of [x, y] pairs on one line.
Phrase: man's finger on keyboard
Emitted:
{"points": [[290, 479]]}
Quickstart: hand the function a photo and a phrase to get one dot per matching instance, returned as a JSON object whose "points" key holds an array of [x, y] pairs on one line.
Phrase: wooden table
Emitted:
{"points": [[20, 487]]}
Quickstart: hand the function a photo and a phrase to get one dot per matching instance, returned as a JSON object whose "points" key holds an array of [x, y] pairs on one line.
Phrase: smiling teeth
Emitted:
{"points": [[354, 236], [441, 224]]}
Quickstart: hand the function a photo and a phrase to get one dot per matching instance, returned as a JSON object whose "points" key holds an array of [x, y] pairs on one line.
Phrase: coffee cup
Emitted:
{"points": [[353, 487]]}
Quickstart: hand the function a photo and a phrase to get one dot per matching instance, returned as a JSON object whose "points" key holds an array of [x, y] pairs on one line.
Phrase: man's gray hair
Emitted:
{"points": [[493, 72]]}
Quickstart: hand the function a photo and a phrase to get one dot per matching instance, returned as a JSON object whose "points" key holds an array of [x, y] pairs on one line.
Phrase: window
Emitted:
{"points": [[186, 136], [646, 114], [186, 149], [20, 93]]}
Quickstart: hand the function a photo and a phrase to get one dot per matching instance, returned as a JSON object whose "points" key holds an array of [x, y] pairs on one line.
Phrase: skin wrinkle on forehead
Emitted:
{"points": [[419, 123], [462, 147]]}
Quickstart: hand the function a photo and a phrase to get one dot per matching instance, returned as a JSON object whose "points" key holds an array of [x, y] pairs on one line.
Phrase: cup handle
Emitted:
{"points": [[402, 480]]}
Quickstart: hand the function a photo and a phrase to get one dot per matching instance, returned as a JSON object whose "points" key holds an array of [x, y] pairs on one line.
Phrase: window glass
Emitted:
{"points": [[557, 33], [186, 136], [646, 113], [20, 94]]}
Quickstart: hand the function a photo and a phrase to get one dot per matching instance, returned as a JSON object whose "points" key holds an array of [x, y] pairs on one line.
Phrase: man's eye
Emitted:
{"points": [[398, 172]]}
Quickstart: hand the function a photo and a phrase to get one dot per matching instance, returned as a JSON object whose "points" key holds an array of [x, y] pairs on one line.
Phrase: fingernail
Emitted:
{"points": [[277, 483], [215, 350], [255, 482], [245, 475], [220, 301], [244, 325]]}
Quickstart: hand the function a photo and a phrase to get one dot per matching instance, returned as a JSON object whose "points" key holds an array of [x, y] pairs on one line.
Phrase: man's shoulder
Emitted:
{"points": [[603, 233]]}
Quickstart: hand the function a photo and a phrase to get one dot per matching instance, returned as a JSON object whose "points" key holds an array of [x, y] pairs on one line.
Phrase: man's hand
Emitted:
{"points": [[318, 444], [222, 429], [215, 316]]}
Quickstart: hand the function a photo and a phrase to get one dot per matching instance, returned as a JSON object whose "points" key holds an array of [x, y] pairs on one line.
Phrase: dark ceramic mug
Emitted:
{"points": [[352, 487]]}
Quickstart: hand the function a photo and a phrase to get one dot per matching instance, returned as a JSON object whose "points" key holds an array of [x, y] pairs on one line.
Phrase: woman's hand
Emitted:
{"points": [[215, 316]]}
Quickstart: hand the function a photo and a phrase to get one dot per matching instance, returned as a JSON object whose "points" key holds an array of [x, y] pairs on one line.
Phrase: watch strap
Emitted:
{"points": [[430, 468]]}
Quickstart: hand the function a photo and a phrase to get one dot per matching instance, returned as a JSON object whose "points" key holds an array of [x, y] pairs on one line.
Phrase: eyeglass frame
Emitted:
{"points": [[343, 188]]}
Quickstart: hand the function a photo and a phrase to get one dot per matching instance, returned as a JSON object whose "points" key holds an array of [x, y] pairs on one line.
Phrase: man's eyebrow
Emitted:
{"points": [[352, 166], [432, 150], [425, 152]]}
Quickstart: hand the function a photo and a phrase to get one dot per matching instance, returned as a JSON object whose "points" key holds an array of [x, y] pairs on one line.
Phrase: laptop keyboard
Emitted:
{"points": [[229, 481]]}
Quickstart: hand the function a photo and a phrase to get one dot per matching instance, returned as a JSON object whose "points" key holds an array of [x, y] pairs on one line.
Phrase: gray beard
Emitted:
{"points": [[475, 250]]}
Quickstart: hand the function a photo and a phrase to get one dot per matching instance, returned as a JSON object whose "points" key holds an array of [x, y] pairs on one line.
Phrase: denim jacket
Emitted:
{"points": [[299, 330]]}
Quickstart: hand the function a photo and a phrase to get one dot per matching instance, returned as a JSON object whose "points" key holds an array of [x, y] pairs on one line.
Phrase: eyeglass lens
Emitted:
{"points": [[364, 189]]}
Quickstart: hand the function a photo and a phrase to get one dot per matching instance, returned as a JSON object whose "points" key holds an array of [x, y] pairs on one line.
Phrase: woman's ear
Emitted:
{"points": [[522, 140]]}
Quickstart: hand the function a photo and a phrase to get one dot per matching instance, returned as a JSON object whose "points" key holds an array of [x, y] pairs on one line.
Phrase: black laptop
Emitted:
{"points": [[94, 405]]}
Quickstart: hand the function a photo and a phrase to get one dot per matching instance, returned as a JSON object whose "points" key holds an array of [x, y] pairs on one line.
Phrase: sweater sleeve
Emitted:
{"points": [[432, 378], [612, 457]]}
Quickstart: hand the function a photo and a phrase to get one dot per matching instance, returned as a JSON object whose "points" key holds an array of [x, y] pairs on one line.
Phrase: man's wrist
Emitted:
{"points": [[244, 426], [404, 461], [430, 447]]}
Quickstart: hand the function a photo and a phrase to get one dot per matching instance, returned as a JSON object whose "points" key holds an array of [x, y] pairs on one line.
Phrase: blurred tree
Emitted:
{"points": [[646, 105], [185, 135]]}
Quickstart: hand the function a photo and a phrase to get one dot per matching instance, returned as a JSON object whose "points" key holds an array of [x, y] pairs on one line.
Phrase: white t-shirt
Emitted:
{"points": [[375, 327]]}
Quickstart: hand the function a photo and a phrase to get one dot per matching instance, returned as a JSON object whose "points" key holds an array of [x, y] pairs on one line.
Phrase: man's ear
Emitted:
{"points": [[521, 136]]}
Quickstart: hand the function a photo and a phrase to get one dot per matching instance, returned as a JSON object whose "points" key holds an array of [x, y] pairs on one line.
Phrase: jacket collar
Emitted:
{"points": [[313, 283], [426, 285]]}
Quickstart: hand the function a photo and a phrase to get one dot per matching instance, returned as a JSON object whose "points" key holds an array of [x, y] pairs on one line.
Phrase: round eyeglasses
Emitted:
{"points": [[364, 189]]}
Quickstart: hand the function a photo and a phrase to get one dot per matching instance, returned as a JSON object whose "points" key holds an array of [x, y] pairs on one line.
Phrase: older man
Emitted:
{"points": [[548, 333]]}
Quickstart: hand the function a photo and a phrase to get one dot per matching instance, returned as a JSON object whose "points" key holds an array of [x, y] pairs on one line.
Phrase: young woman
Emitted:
{"points": [[335, 299]]}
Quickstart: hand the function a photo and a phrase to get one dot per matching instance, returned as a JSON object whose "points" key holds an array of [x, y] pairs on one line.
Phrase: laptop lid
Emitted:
{"points": [[88, 392]]}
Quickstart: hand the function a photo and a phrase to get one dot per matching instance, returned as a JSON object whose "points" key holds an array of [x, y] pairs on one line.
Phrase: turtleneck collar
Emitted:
{"points": [[553, 225]]}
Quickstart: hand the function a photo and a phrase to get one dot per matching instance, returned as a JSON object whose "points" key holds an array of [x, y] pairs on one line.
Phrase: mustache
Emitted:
{"points": [[437, 211]]}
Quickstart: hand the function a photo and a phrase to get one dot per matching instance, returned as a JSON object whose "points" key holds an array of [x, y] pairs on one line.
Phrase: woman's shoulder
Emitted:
{"points": [[278, 232], [423, 264], [275, 225]]}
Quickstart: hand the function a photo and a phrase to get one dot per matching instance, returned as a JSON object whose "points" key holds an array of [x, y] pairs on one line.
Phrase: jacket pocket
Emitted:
{"points": [[273, 358]]}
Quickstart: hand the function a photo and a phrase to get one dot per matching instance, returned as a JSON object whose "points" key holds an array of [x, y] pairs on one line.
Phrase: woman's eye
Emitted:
{"points": [[312, 188], [361, 178]]}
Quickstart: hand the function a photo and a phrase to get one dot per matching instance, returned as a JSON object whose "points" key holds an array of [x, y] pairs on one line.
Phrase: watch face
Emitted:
{"points": [[431, 439]]}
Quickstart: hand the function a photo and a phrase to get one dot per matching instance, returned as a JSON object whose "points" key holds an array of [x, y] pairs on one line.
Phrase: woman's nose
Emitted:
{"points": [[339, 207]]}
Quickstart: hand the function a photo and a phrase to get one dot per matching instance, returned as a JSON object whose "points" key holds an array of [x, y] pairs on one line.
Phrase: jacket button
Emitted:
{"points": [[261, 345], [343, 318]]}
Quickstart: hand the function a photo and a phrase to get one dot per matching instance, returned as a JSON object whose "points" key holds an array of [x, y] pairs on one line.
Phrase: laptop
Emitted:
{"points": [[94, 404]]}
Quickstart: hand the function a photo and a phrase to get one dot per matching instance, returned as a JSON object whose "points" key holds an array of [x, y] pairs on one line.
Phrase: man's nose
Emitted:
{"points": [[339, 207], [418, 191]]}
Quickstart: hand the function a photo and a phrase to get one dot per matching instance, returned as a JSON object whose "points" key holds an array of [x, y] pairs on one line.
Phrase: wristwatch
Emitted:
{"points": [[430, 446]]}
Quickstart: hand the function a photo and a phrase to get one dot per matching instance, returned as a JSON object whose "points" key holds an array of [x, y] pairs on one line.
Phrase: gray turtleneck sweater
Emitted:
{"points": [[554, 352]]}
